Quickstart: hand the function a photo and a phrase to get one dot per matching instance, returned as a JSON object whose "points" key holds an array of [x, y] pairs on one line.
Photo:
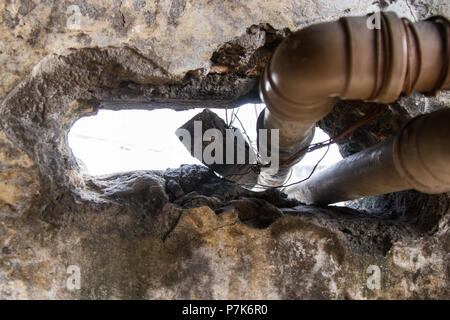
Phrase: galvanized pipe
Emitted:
{"points": [[417, 158], [346, 59]]}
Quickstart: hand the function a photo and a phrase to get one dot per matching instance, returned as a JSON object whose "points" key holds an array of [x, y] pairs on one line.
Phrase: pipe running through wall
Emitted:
{"points": [[346, 59], [417, 158]]}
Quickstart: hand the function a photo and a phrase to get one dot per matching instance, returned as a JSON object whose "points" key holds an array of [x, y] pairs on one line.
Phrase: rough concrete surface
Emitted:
{"points": [[184, 233]]}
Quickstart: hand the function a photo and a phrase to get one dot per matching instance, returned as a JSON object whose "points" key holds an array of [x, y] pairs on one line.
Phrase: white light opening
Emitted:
{"points": [[128, 140]]}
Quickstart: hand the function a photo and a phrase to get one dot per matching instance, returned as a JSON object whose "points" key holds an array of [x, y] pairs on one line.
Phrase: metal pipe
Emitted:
{"points": [[417, 158], [346, 59]]}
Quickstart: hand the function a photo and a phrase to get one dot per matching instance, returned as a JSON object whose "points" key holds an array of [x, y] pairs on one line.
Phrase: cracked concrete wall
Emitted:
{"points": [[177, 35], [135, 239], [184, 233]]}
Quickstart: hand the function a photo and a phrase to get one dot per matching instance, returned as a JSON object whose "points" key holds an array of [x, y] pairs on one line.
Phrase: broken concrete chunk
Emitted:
{"points": [[220, 147]]}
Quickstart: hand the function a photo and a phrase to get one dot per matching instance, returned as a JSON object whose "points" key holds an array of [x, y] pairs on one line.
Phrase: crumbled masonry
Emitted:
{"points": [[245, 174]]}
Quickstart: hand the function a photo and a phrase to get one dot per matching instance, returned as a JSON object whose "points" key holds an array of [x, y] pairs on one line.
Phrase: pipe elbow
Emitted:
{"points": [[347, 59], [353, 59], [305, 72]]}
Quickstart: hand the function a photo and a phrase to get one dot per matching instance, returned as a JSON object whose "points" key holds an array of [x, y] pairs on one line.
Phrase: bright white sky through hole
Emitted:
{"points": [[127, 140]]}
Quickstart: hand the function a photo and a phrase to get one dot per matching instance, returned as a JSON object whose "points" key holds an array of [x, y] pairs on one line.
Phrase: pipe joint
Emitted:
{"points": [[381, 79], [346, 59], [314, 66], [421, 152]]}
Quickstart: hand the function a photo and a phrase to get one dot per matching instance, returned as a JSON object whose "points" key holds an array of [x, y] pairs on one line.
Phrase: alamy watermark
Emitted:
{"points": [[374, 21], [74, 21], [73, 282], [374, 280]]}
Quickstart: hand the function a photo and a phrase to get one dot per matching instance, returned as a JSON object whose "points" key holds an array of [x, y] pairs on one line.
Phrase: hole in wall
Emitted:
{"points": [[127, 140]]}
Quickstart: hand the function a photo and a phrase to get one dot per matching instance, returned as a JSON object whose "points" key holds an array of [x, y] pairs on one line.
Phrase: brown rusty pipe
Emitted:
{"points": [[313, 67], [417, 158]]}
